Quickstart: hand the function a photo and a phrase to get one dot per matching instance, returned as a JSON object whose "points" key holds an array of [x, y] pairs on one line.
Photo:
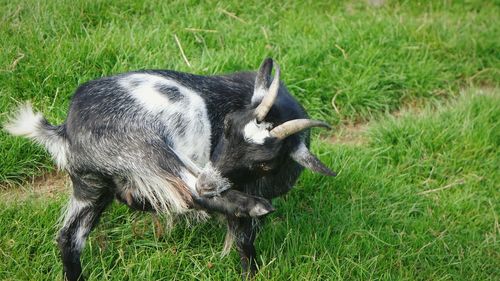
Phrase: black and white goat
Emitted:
{"points": [[141, 137]]}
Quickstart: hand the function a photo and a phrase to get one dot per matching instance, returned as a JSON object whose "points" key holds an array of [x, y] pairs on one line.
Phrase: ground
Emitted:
{"points": [[412, 89]]}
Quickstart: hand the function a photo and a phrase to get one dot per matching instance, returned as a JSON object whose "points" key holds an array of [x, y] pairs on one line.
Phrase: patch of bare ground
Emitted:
{"points": [[355, 133], [348, 134], [48, 186]]}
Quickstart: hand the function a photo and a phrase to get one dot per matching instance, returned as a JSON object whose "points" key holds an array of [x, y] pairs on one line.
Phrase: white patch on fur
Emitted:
{"points": [[29, 124], [144, 91], [256, 133], [194, 143]]}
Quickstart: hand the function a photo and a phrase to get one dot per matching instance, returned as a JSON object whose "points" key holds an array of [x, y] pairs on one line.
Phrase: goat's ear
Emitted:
{"points": [[262, 80], [305, 158]]}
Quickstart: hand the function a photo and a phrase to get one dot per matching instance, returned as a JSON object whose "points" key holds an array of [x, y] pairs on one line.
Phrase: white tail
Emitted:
{"points": [[32, 125]]}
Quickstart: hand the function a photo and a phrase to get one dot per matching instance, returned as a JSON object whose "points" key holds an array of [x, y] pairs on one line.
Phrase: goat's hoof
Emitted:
{"points": [[258, 208]]}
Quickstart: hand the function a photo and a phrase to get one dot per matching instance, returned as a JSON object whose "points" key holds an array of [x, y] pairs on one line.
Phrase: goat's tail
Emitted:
{"points": [[27, 123]]}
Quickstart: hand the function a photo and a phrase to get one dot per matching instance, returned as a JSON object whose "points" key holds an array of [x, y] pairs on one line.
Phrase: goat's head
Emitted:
{"points": [[252, 147]]}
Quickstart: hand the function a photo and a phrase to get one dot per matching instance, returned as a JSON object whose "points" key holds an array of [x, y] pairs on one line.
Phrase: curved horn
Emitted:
{"points": [[268, 100], [304, 157], [294, 126]]}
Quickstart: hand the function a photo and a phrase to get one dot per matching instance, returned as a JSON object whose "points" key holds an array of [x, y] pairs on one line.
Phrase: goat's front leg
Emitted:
{"points": [[236, 204], [82, 215], [215, 194], [243, 231]]}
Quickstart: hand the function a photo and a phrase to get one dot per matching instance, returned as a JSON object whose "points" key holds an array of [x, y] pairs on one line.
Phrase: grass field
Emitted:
{"points": [[411, 87]]}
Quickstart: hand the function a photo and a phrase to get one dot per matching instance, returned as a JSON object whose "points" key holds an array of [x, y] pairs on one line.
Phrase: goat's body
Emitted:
{"points": [[126, 133], [131, 136]]}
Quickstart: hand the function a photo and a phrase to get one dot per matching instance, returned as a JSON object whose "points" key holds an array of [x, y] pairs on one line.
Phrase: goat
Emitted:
{"points": [[142, 136]]}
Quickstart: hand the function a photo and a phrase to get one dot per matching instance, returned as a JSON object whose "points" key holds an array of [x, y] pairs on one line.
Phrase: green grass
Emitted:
{"points": [[366, 60], [417, 199], [384, 217]]}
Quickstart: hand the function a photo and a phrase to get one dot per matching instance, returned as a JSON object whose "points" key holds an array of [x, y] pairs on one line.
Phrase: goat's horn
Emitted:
{"points": [[268, 100], [294, 126]]}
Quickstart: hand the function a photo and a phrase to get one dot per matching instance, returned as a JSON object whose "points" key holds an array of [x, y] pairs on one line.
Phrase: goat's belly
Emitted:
{"points": [[162, 193], [138, 204]]}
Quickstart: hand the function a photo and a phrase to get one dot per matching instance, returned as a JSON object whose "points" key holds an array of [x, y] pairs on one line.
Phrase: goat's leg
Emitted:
{"points": [[81, 217], [215, 194], [244, 231], [236, 203]]}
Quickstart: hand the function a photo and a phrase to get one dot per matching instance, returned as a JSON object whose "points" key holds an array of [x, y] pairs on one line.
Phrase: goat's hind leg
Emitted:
{"points": [[81, 216]]}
